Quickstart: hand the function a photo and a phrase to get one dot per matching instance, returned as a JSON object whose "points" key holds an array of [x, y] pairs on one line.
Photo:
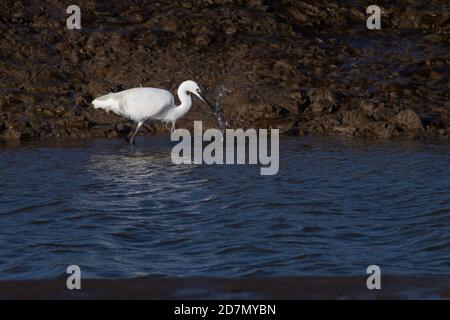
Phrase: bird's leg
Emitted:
{"points": [[135, 132], [173, 127]]}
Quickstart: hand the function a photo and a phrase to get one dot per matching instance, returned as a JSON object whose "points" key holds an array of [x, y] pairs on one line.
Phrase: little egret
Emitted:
{"points": [[141, 104]]}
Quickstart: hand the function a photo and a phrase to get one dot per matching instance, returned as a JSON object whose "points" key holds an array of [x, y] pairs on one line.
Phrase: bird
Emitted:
{"points": [[144, 103]]}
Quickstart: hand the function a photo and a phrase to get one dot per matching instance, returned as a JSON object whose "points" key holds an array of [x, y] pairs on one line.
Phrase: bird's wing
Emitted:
{"points": [[139, 103]]}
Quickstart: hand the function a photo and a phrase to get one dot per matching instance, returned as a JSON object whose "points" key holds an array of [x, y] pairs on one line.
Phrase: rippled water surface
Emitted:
{"points": [[335, 207]]}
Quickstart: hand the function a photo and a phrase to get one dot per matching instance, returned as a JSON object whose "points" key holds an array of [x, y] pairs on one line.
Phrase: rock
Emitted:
{"points": [[383, 129], [408, 119], [12, 134], [356, 119], [322, 100], [381, 113], [283, 69], [345, 130], [202, 40], [230, 30], [367, 106], [435, 75]]}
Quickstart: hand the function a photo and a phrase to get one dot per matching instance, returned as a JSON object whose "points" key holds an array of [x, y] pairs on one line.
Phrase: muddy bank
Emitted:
{"points": [[306, 67], [244, 288]]}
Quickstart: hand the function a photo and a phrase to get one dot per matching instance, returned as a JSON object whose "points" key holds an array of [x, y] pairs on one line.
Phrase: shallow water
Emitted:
{"points": [[335, 207]]}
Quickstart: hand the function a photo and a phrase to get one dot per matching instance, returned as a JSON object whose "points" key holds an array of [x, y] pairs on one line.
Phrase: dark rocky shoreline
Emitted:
{"points": [[274, 288], [306, 67]]}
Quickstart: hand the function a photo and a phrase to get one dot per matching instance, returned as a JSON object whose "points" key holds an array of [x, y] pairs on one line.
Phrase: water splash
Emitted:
{"points": [[223, 123]]}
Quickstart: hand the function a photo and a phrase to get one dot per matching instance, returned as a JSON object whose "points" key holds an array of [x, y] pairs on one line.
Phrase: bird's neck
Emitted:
{"points": [[185, 105]]}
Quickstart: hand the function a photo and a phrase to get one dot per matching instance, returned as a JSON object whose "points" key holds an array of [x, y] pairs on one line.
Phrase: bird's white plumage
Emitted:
{"points": [[144, 103], [141, 104]]}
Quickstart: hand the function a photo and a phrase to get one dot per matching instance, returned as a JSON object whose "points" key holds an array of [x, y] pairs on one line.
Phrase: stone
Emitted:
{"points": [[408, 119], [12, 134], [367, 106], [322, 100]]}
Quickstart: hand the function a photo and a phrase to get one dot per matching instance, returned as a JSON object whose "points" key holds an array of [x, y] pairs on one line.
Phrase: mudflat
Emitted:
{"points": [[405, 287], [305, 67]]}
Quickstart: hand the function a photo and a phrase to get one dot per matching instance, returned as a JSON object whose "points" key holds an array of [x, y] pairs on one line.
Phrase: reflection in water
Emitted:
{"points": [[335, 207], [136, 179]]}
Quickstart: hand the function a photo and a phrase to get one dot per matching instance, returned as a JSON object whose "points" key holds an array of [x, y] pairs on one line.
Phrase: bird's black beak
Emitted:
{"points": [[208, 103]]}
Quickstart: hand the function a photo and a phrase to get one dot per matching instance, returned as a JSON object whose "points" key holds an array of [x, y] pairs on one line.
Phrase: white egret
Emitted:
{"points": [[141, 104]]}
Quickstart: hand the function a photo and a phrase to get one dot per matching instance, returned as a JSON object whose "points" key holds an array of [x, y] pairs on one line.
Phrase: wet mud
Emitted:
{"points": [[281, 288], [305, 67]]}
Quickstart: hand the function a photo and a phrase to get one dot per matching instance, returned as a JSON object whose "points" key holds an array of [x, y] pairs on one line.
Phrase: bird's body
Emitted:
{"points": [[138, 104], [141, 104]]}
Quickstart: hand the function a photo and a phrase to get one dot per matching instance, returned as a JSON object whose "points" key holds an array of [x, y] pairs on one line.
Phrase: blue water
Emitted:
{"points": [[335, 207]]}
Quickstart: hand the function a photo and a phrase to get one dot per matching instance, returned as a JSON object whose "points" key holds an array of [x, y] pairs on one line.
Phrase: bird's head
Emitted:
{"points": [[191, 87]]}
